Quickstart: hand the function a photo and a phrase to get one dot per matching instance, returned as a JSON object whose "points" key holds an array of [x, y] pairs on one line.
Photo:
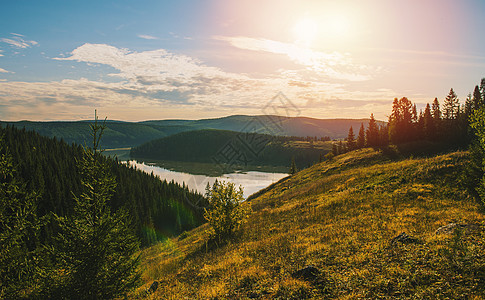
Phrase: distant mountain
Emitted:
{"points": [[275, 125], [129, 134]]}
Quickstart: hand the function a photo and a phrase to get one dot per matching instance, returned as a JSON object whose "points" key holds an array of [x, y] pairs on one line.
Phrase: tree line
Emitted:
{"points": [[447, 123]]}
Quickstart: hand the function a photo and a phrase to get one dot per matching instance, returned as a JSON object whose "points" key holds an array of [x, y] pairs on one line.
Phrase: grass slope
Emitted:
{"points": [[340, 217]]}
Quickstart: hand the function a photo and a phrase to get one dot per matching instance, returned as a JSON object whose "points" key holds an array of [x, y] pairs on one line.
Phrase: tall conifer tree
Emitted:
{"points": [[95, 248], [361, 137], [351, 139]]}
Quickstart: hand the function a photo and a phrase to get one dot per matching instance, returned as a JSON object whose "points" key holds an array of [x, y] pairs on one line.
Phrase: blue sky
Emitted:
{"points": [[140, 60]]}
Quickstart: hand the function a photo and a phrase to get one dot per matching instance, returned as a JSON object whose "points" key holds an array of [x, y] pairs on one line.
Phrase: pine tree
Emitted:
{"points": [[402, 121], [335, 149], [477, 99], [451, 106], [361, 137], [351, 139], [383, 135], [469, 104], [428, 124], [94, 252], [293, 168], [435, 110], [372, 133], [482, 91], [19, 227]]}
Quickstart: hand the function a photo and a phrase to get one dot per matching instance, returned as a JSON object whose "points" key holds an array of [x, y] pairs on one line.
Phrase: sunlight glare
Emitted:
{"points": [[305, 31]]}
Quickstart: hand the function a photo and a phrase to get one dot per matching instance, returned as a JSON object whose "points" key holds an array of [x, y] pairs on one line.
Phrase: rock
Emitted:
{"points": [[153, 287], [307, 273], [449, 228], [405, 239]]}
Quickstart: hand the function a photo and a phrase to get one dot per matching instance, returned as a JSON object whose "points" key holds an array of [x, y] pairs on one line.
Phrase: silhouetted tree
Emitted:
{"points": [[401, 126], [435, 110], [335, 149], [482, 90], [451, 106], [372, 133], [429, 127], [351, 139], [293, 168], [361, 137], [477, 99]]}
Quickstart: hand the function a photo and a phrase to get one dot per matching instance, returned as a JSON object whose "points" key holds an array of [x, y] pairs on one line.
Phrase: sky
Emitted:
{"points": [[151, 60]]}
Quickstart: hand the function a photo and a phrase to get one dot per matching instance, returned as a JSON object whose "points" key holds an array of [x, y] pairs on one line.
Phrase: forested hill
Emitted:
{"points": [[129, 134], [234, 148], [48, 166]]}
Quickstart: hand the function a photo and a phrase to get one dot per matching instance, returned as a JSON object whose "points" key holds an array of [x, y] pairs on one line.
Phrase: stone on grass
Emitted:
{"points": [[308, 273], [404, 238]]}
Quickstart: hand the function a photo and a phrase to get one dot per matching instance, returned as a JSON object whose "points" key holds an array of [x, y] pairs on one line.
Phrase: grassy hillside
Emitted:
{"points": [[210, 145], [340, 217]]}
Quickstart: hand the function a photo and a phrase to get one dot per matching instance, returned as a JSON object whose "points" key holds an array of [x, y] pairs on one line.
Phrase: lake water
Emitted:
{"points": [[251, 181]]}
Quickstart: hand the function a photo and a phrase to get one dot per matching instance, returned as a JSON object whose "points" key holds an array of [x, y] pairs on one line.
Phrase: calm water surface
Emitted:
{"points": [[251, 181]]}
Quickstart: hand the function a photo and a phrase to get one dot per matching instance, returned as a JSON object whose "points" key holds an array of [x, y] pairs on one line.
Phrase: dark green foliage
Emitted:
{"points": [[206, 146], [293, 168], [93, 254], [18, 230], [117, 134], [475, 174], [227, 210], [157, 208]]}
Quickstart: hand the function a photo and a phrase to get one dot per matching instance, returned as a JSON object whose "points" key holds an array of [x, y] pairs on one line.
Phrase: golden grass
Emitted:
{"points": [[340, 217]]}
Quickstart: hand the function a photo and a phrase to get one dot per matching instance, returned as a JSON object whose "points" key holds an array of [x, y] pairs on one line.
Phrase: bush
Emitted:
{"points": [[227, 210]]}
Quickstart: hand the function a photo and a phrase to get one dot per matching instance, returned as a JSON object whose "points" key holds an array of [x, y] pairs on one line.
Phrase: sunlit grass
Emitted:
{"points": [[339, 216]]}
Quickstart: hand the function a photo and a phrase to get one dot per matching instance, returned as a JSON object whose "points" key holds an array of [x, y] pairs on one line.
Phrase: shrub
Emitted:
{"points": [[227, 210]]}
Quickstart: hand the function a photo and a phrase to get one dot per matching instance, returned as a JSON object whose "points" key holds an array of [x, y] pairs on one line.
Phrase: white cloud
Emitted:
{"points": [[334, 65], [147, 37], [17, 40], [4, 71], [159, 84]]}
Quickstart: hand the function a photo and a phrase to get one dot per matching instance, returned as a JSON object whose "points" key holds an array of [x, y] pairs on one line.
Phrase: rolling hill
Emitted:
{"points": [[235, 150], [129, 134], [361, 226]]}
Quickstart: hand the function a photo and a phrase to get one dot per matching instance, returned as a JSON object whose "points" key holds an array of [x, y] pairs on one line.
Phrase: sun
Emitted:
{"points": [[333, 27], [305, 31]]}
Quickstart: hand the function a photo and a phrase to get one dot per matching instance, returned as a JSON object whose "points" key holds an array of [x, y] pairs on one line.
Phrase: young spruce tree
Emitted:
{"points": [[94, 252]]}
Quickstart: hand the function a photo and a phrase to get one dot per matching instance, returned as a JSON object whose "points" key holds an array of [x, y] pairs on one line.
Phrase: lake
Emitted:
{"points": [[251, 181]]}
